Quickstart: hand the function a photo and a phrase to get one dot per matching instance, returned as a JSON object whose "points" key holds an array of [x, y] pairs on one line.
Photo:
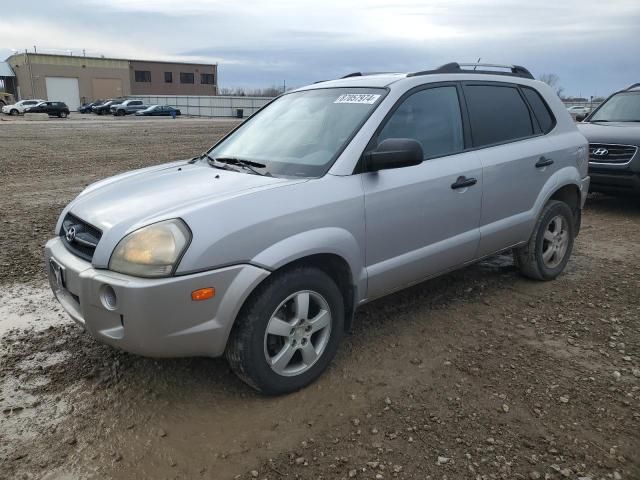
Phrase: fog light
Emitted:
{"points": [[108, 297], [203, 294]]}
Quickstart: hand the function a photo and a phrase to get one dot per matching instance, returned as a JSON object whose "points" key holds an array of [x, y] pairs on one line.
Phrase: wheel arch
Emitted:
{"points": [[338, 269], [570, 194], [333, 250], [564, 185]]}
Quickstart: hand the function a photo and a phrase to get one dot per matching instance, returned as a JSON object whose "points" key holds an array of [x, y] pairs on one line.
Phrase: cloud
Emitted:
{"points": [[590, 45]]}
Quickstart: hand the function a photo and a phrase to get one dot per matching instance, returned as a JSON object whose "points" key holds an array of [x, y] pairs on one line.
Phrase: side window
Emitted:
{"points": [[432, 117], [540, 109], [497, 114]]}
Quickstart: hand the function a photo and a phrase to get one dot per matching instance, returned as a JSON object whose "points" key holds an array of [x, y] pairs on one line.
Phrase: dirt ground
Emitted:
{"points": [[480, 374]]}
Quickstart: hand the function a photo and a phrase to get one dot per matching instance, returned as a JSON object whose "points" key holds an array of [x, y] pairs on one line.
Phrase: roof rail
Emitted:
{"points": [[354, 74], [454, 67], [363, 74], [631, 87]]}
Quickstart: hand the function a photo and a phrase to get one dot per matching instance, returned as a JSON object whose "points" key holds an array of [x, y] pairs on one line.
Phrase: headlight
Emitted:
{"points": [[151, 251]]}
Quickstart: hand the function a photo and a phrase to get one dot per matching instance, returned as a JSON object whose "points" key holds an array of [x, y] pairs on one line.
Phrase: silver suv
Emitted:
{"points": [[329, 197]]}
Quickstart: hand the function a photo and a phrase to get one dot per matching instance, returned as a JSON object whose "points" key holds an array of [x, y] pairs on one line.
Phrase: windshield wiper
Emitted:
{"points": [[247, 164], [598, 121], [214, 162]]}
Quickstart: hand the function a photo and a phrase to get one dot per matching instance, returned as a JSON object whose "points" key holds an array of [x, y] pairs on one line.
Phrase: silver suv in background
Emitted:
{"points": [[329, 197], [127, 107]]}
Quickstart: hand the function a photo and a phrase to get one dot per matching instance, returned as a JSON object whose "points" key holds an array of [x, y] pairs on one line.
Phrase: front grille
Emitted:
{"points": [[79, 237], [610, 153]]}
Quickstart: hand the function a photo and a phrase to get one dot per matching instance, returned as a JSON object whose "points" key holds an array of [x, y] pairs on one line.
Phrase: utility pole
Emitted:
{"points": [[284, 86]]}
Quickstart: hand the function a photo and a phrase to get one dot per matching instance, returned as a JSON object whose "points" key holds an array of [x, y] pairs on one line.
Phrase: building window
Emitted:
{"points": [[186, 77], [207, 78], [143, 76], [168, 77]]}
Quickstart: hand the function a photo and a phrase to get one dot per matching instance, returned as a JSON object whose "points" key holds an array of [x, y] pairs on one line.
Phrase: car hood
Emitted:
{"points": [[144, 196], [623, 133]]}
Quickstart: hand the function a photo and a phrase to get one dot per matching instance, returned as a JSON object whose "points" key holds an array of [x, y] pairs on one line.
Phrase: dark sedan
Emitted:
{"points": [[105, 108], [159, 110], [53, 109], [86, 108]]}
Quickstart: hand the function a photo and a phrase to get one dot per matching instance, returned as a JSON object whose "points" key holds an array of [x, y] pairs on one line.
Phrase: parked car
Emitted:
{"points": [[19, 107], [579, 110], [86, 107], [613, 131], [331, 196], [127, 107], [105, 107], [53, 109], [159, 110]]}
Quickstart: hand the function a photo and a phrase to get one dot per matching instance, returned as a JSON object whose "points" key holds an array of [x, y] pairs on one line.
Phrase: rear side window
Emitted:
{"points": [[432, 117], [498, 114], [540, 109]]}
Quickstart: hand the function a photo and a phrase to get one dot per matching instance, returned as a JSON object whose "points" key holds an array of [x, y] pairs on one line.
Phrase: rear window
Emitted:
{"points": [[540, 109], [498, 114]]}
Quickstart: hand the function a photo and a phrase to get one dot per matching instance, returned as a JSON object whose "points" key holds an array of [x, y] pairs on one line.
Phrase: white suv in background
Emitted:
{"points": [[19, 107]]}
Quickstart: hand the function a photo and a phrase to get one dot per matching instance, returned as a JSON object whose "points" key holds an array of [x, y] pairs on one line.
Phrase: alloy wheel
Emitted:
{"points": [[297, 333], [555, 242]]}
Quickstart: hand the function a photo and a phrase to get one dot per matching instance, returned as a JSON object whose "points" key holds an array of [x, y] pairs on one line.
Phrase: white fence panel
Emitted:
{"points": [[208, 106]]}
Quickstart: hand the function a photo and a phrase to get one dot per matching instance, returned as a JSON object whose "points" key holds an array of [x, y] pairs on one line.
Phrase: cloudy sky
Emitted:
{"points": [[593, 46]]}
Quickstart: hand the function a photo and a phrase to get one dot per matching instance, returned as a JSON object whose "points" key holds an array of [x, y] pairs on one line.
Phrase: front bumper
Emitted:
{"points": [[614, 180], [151, 317]]}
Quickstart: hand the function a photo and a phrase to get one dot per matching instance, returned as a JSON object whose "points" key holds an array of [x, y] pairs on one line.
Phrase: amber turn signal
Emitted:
{"points": [[203, 294]]}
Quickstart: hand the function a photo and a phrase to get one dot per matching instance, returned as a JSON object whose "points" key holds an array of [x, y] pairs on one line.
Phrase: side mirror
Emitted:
{"points": [[394, 153]]}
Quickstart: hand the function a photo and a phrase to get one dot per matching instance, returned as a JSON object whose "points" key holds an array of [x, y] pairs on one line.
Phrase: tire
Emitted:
{"points": [[546, 254], [63, 114], [14, 112], [251, 351]]}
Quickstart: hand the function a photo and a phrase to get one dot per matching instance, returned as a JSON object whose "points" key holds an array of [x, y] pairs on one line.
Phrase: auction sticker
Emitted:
{"points": [[366, 98]]}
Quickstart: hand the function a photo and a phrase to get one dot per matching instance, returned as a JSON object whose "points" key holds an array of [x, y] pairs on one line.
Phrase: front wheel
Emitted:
{"points": [[14, 112], [547, 253], [288, 331]]}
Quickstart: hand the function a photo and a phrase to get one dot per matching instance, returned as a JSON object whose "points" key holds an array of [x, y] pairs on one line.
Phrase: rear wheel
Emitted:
{"points": [[547, 253], [63, 114], [288, 331]]}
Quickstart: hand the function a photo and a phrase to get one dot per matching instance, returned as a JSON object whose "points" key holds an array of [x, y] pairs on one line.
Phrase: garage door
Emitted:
{"points": [[62, 89], [104, 88]]}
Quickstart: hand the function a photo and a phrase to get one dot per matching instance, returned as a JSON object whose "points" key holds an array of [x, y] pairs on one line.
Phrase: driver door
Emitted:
{"points": [[419, 221]]}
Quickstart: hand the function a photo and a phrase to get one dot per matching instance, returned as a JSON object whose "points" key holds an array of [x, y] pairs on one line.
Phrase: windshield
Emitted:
{"points": [[622, 107], [302, 133]]}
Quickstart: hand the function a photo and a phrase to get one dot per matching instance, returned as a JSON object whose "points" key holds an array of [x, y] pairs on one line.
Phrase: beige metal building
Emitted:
{"points": [[74, 79], [164, 78]]}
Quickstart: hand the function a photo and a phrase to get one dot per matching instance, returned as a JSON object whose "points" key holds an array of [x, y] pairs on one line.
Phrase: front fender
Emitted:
{"points": [[327, 240]]}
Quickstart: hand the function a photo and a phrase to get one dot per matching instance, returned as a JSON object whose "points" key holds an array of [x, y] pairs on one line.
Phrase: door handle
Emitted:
{"points": [[463, 182], [543, 162]]}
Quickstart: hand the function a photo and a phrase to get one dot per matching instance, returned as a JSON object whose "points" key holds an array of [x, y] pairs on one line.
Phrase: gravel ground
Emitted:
{"points": [[479, 374]]}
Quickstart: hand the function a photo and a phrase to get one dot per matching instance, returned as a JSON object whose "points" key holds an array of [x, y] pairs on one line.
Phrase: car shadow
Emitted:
{"points": [[622, 204]]}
